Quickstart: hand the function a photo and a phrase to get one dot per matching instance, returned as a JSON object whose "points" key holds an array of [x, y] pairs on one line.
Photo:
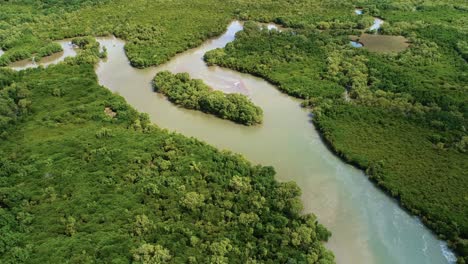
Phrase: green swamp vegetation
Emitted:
{"points": [[194, 94], [85, 178], [400, 116], [154, 30]]}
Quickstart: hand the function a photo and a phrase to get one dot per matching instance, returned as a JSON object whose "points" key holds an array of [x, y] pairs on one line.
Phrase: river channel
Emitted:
{"points": [[367, 225]]}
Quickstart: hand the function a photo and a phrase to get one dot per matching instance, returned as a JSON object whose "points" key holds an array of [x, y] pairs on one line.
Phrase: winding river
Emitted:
{"points": [[367, 226]]}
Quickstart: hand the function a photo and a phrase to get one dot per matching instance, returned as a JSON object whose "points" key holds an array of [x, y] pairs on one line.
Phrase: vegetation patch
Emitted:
{"points": [[194, 94]]}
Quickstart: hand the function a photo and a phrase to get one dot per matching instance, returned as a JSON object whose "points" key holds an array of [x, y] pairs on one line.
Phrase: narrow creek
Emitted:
{"points": [[377, 24], [367, 226], [69, 50], [374, 27]]}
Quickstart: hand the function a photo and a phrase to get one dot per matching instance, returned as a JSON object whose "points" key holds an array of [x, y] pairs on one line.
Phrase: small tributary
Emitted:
{"points": [[374, 27], [377, 21]]}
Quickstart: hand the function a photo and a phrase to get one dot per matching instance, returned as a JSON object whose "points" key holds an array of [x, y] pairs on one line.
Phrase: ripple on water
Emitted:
{"points": [[448, 254]]}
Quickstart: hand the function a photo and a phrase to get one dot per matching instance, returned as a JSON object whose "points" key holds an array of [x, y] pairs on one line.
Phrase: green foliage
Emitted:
{"points": [[194, 94], [192, 200], [401, 117], [14, 103], [14, 55], [291, 61], [81, 183], [151, 254], [47, 50], [89, 52], [154, 30]]}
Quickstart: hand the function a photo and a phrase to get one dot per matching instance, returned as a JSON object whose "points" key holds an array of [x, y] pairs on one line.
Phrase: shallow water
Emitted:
{"points": [[376, 42], [367, 226]]}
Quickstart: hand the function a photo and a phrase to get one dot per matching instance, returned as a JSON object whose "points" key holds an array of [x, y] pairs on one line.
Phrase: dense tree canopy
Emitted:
{"points": [[79, 185], [401, 117], [194, 94]]}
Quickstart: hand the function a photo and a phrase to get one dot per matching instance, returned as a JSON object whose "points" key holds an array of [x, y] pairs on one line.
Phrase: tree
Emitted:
{"points": [[151, 254], [192, 200], [142, 225]]}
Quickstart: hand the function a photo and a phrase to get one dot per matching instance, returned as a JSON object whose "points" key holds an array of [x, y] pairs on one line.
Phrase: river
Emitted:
{"points": [[367, 225]]}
